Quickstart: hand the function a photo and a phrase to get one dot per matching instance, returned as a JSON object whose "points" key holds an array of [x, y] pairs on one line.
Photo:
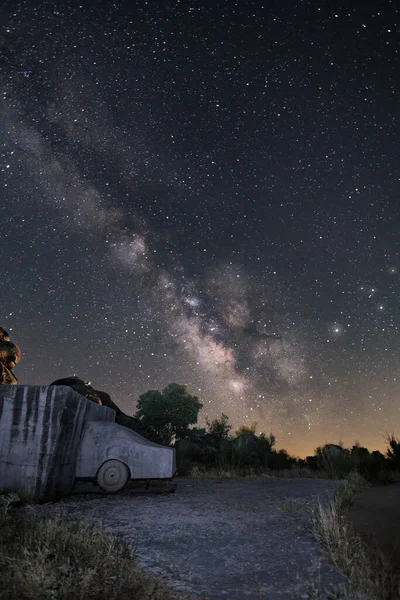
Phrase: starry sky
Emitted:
{"points": [[208, 193]]}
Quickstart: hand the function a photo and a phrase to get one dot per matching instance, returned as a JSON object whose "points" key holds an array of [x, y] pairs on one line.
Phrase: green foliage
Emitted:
{"points": [[168, 413]]}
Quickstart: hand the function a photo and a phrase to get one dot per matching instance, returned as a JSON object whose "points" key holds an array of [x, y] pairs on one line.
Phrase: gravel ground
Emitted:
{"points": [[233, 538]]}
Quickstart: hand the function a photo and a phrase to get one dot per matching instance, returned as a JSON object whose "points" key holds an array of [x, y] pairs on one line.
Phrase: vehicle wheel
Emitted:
{"points": [[112, 475]]}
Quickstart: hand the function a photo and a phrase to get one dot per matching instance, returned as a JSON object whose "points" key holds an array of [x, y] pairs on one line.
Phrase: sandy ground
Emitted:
{"points": [[234, 539]]}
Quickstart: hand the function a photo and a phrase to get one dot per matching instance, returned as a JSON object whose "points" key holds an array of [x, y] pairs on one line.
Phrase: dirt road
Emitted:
{"points": [[233, 538]]}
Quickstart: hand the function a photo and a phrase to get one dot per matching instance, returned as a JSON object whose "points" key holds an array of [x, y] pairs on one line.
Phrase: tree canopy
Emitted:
{"points": [[219, 429], [170, 412]]}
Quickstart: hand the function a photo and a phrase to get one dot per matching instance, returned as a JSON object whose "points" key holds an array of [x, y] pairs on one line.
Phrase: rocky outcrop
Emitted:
{"points": [[100, 397], [10, 355], [77, 384]]}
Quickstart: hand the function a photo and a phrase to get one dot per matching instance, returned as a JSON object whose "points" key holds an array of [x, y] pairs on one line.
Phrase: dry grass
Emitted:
{"points": [[225, 473], [367, 568], [305, 472], [197, 473], [49, 560]]}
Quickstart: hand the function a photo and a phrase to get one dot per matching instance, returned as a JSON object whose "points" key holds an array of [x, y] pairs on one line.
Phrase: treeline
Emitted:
{"points": [[215, 447], [167, 417], [245, 452]]}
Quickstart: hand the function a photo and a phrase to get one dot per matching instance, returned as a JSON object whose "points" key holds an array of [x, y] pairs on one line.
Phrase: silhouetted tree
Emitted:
{"points": [[393, 452], [243, 429], [378, 458], [218, 430], [269, 440], [170, 412], [312, 462], [248, 449], [334, 459], [280, 460]]}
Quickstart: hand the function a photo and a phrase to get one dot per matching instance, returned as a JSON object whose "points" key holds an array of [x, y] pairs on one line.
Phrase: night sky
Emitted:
{"points": [[208, 193]]}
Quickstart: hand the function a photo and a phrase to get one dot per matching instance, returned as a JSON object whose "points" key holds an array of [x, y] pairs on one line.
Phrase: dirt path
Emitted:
{"points": [[233, 539]]}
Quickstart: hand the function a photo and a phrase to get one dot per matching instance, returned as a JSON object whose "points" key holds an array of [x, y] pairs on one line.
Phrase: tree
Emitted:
{"points": [[219, 429], [280, 460], [358, 453], [334, 459], [248, 449], [244, 429], [168, 413], [269, 440], [393, 451]]}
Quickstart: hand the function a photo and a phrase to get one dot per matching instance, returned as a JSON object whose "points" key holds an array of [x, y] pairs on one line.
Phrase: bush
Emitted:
{"points": [[334, 460], [280, 460], [393, 452]]}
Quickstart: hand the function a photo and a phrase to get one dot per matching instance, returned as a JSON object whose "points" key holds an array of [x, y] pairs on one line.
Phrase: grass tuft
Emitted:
{"points": [[49, 560], [367, 568]]}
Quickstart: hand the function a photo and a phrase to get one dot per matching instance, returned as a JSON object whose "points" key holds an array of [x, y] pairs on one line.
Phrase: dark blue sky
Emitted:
{"points": [[169, 171]]}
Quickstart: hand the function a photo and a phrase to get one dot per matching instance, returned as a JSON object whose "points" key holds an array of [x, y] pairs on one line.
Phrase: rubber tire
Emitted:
{"points": [[112, 475]]}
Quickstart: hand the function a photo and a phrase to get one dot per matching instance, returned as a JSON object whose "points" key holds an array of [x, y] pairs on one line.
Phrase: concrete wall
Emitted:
{"points": [[40, 433]]}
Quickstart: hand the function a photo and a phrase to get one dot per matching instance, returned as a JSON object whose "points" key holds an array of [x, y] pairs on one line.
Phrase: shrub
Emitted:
{"points": [[393, 452], [335, 460]]}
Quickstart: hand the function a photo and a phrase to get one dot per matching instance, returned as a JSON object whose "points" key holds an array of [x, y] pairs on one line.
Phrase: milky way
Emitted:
{"points": [[207, 194]]}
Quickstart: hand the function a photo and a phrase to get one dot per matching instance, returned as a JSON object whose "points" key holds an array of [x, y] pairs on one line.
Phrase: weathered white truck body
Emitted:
{"points": [[105, 441], [51, 435]]}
